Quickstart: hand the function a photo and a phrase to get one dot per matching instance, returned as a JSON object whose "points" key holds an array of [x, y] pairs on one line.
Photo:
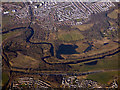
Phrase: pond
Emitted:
{"points": [[91, 63], [66, 49], [88, 48], [105, 43]]}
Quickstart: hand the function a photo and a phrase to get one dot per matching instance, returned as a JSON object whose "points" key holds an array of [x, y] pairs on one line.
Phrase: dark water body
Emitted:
{"points": [[101, 57], [28, 40], [117, 42], [75, 62], [32, 33], [12, 30], [88, 48], [63, 49], [105, 43], [91, 63], [66, 49]]}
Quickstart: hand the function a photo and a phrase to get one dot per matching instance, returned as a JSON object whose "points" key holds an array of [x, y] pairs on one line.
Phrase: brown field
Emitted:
{"points": [[114, 14], [23, 61], [83, 27]]}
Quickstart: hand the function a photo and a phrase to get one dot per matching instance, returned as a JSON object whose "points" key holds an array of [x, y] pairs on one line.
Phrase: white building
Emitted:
{"points": [[13, 11], [6, 12]]}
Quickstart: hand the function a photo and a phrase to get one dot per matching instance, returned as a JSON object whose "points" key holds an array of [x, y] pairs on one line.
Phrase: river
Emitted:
{"points": [[62, 46]]}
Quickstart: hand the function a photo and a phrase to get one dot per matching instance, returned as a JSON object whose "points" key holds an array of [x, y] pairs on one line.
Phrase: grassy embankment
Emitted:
{"points": [[23, 61]]}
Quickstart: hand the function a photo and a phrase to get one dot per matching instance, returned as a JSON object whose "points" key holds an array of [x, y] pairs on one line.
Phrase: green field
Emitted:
{"points": [[103, 77], [70, 36], [5, 78], [106, 63]]}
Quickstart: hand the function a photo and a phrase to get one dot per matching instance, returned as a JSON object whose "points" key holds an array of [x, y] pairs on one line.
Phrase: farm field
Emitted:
{"points": [[114, 14], [103, 77], [106, 63], [84, 27], [70, 36]]}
